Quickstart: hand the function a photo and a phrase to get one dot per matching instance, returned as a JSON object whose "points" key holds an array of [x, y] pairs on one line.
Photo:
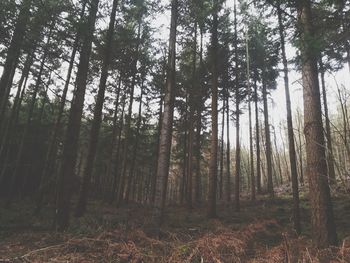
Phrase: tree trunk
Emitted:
{"points": [[199, 123], [291, 144], [267, 144], [322, 221], [251, 151], [190, 162], [167, 125], [128, 117], [13, 54], [51, 153], [257, 139], [213, 162], [116, 156], [96, 123], [19, 157], [221, 169], [301, 168], [136, 144], [329, 154], [228, 152], [70, 149]]}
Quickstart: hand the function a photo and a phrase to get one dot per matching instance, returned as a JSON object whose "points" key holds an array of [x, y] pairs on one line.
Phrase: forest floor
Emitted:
{"points": [[260, 232]]}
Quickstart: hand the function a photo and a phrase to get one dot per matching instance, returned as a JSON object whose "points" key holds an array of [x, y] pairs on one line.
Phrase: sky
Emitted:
{"points": [[277, 107], [277, 100]]}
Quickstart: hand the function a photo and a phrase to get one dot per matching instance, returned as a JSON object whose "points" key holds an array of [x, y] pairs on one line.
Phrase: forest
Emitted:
{"points": [[175, 131]]}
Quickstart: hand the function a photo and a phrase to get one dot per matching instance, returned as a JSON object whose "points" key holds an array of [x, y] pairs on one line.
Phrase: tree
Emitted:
{"points": [[66, 173], [13, 54], [96, 124], [322, 221], [167, 124], [291, 144], [214, 115]]}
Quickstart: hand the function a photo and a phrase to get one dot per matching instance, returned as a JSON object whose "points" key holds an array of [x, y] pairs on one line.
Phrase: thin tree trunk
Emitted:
{"points": [[167, 125], [96, 124], [136, 144], [51, 153], [128, 117], [221, 167], [70, 149], [301, 176], [268, 144], [228, 151], [213, 162], [19, 157], [329, 154], [251, 151], [199, 124], [13, 54], [238, 144], [291, 143], [257, 139], [190, 163], [116, 157]]}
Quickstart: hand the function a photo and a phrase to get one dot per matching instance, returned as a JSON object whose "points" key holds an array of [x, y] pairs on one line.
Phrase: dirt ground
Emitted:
{"points": [[260, 232]]}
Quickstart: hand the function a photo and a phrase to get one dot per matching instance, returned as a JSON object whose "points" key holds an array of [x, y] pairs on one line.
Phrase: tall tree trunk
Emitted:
{"points": [[136, 144], [167, 124], [238, 145], [7, 130], [190, 162], [228, 152], [160, 114], [16, 176], [257, 141], [199, 123], [51, 153], [213, 162], [322, 221], [13, 54], [301, 168], [116, 156], [128, 117], [96, 123], [221, 167], [329, 154], [267, 143], [251, 151], [70, 149], [291, 144], [112, 150]]}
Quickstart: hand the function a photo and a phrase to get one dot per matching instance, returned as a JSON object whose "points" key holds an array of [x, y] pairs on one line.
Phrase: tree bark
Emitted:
{"points": [[291, 144], [329, 154], [221, 167], [251, 151], [128, 117], [70, 149], [167, 124], [228, 152], [190, 162], [257, 141], [322, 221], [51, 153], [96, 123], [267, 143], [136, 144], [213, 165], [13, 54], [16, 176]]}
